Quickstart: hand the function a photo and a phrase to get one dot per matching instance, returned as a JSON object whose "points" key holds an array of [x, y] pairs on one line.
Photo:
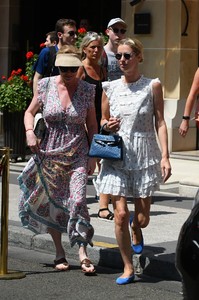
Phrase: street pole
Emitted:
{"points": [[4, 168]]}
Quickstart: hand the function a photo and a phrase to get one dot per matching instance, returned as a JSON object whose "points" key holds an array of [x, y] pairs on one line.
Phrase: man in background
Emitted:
{"points": [[66, 32], [51, 39], [116, 30]]}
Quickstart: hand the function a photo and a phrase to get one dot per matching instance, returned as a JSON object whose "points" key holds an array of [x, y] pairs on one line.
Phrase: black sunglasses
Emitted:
{"points": [[68, 69], [127, 56], [72, 32], [117, 30]]}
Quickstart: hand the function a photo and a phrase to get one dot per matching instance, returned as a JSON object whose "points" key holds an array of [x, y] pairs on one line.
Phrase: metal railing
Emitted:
{"points": [[4, 170]]}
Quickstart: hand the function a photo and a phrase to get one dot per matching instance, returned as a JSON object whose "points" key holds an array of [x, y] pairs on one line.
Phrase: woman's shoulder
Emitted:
{"points": [[111, 87], [86, 85], [44, 82], [151, 84], [113, 83], [81, 72], [87, 92], [150, 81]]}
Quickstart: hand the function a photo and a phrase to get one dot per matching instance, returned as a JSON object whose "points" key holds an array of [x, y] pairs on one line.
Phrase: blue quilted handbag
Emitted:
{"points": [[107, 147]]}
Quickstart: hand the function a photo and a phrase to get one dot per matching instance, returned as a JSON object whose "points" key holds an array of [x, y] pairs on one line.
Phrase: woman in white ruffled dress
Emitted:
{"points": [[132, 107]]}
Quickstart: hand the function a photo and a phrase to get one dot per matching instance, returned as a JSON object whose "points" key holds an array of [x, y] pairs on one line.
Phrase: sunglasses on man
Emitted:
{"points": [[127, 56], [68, 69], [72, 33], [117, 30]]}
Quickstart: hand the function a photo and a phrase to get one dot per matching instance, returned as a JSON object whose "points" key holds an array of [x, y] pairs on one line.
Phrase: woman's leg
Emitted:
{"points": [[79, 212], [122, 233], [104, 200], [104, 212], [60, 263], [141, 218]]}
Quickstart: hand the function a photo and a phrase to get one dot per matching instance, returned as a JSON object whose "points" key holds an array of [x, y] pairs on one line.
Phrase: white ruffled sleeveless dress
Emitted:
{"points": [[139, 174]]}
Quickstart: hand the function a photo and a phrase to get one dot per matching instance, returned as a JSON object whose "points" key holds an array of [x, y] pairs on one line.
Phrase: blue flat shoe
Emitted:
{"points": [[139, 247], [125, 280]]}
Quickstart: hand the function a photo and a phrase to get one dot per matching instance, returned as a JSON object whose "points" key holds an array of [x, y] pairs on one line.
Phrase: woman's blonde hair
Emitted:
{"points": [[135, 45], [87, 39]]}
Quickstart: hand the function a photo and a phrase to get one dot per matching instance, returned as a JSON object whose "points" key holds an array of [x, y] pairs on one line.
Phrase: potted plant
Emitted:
{"points": [[15, 95]]}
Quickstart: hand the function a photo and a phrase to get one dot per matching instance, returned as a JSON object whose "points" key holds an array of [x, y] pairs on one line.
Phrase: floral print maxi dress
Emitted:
{"points": [[53, 183]]}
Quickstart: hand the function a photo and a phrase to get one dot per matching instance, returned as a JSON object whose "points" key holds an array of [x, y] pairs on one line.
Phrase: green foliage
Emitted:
{"points": [[105, 38], [14, 94], [16, 91]]}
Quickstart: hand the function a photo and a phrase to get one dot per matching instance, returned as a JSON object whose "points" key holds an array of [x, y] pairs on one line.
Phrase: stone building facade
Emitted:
{"points": [[168, 29]]}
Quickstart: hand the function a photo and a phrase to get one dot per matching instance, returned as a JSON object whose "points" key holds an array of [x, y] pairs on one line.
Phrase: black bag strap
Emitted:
{"points": [[51, 61], [103, 131]]}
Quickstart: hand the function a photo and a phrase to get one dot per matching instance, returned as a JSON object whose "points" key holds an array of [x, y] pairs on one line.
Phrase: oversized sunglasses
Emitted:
{"points": [[127, 56], [68, 69], [72, 32], [117, 30]]}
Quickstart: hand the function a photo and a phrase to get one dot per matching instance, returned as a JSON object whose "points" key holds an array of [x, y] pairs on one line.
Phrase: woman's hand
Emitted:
{"points": [[113, 124], [184, 127], [166, 169], [32, 141], [91, 165]]}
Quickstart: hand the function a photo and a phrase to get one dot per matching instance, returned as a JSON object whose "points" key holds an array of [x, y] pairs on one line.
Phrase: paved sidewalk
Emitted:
{"points": [[168, 213]]}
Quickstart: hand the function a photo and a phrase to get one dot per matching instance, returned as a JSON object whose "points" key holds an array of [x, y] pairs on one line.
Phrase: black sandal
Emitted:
{"points": [[109, 217], [61, 261]]}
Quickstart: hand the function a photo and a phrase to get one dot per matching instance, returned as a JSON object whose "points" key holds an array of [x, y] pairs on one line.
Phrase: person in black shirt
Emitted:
{"points": [[94, 72]]}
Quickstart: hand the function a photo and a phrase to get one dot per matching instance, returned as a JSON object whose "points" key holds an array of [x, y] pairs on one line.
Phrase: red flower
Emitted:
{"points": [[16, 72], [3, 77], [13, 73], [29, 55], [42, 45], [24, 77], [82, 30]]}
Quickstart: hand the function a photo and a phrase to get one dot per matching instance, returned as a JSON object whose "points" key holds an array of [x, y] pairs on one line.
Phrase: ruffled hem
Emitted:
{"points": [[137, 183]]}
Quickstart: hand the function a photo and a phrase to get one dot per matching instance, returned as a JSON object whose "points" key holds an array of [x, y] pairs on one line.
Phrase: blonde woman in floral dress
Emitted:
{"points": [[53, 183]]}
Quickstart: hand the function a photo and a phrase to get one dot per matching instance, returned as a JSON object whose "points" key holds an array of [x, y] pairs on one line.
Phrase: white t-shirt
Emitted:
{"points": [[113, 69]]}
